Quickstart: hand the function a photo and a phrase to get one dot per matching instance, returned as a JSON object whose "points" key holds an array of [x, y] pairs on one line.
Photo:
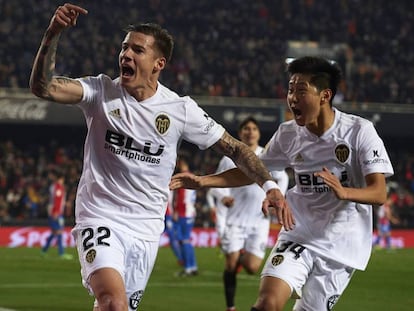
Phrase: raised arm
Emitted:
{"points": [[42, 81]]}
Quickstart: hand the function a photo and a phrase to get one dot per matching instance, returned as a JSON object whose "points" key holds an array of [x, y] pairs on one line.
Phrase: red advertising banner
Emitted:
{"points": [[36, 237]]}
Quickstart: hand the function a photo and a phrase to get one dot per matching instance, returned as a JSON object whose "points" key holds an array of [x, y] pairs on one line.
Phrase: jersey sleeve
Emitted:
{"points": [[372, 154], [272, 156], [200, 129], [282, 179]]}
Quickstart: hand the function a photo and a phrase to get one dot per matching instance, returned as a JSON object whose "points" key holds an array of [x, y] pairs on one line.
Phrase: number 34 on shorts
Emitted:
{"points": [[283, 247]]}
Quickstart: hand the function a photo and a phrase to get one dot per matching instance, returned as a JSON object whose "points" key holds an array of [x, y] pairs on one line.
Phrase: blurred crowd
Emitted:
{"points": [[25, 179], [226, 48], [223, 48]]}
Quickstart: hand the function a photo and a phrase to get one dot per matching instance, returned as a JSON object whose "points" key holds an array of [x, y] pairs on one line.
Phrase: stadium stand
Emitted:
{"points": [[227, 48]]}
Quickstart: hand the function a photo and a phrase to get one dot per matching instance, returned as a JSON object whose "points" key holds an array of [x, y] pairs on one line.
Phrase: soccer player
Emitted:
{"points": [[135, 125], [246, 229], [56, 213], [340, 166], [384, 219], [184, 213], [171, 227], [219, 200]]}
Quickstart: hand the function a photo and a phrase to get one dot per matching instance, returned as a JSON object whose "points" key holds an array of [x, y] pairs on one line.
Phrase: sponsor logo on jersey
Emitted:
{"points": [[125, 146], [376, 159], [342, 153], [162, 123], [209, 125], [135, 299], [332, 301], [309, 183], [115, 113], [277, 260], [90, 256]]}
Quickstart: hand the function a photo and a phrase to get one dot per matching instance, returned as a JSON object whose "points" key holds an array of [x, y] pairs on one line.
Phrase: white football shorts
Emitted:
{"points": [[252, 239], [316, 282], [102, 247]]}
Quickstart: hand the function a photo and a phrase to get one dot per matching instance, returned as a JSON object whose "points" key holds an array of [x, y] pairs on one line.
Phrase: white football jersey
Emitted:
{"points": [[350, 149], [130, 153], [247, 208]]}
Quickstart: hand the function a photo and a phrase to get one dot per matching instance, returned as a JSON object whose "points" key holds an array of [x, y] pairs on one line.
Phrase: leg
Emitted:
{"points": [[251, 262], [229, 278], [109, 290], [273, 294], [48, 242], [171, 228], [324, 286]]}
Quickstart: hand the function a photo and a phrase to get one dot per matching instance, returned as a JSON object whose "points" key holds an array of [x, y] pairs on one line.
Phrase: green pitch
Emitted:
{"points": [[29, 282]]}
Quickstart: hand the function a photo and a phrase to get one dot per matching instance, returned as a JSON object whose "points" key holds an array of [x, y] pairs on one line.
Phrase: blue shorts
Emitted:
{"points": [[56, 223]]}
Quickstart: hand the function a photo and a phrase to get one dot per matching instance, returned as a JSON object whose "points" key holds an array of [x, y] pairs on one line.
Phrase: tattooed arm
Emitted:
{"points": [[42, 81], [249, 169]]}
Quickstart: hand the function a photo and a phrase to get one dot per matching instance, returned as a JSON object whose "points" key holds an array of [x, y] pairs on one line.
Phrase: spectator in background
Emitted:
{"points": [[56, 211], [233, 63], [4, 210], [184, 214]]}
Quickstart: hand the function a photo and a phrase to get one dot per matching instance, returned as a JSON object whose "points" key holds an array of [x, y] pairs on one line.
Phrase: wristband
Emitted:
{"points": [[270, 184]]}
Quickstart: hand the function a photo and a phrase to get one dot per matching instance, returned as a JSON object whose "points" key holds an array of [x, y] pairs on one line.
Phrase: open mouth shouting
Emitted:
{"points": [[296, 113], [126, 72]]}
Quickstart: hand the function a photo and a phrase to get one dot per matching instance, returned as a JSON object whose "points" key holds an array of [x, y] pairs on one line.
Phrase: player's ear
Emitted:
{"points": [[326, 95], [160, 64]]}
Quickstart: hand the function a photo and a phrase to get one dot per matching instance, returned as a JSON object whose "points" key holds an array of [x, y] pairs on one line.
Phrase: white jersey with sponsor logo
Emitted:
{"points": [[350, 149], [130, 154]]}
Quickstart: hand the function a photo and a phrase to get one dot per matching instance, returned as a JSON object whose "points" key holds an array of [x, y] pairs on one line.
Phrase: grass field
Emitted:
{"points": [[29, 282]]}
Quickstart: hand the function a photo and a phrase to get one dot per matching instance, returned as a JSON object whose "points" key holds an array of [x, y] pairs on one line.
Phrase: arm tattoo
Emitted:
{"points": [[245, 159], [44, 66]]}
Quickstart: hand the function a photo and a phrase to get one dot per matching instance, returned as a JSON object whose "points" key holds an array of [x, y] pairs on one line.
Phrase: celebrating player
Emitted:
{"points": [[134, 127], [246, 229], [340, 166]]}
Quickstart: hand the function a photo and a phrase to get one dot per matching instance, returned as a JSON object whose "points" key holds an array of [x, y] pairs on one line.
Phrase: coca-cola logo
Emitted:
{"points": [[24, 110]]}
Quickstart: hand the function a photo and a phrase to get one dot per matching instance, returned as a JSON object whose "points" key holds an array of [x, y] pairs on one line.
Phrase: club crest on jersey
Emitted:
{"points": [[135, 299], [342, 153], [332, 301], [90, 256], [162, 123], [277, 260]]}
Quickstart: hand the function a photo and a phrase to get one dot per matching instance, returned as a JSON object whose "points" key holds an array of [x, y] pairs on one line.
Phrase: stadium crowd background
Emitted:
{"points": [[229, 48], [223, 48]]}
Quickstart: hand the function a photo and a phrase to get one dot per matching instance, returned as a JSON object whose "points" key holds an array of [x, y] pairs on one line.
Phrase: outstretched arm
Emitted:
{"points": [[249, 169], [42, 82]]}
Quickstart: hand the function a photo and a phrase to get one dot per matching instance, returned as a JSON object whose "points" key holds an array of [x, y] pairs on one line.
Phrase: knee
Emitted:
{"points": [[108, 302], [266, 303], [251, 267]]}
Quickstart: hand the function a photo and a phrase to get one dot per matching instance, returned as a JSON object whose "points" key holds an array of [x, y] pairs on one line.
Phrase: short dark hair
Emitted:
{"points": [[324, 74], [163, 39], [248, 120]]}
